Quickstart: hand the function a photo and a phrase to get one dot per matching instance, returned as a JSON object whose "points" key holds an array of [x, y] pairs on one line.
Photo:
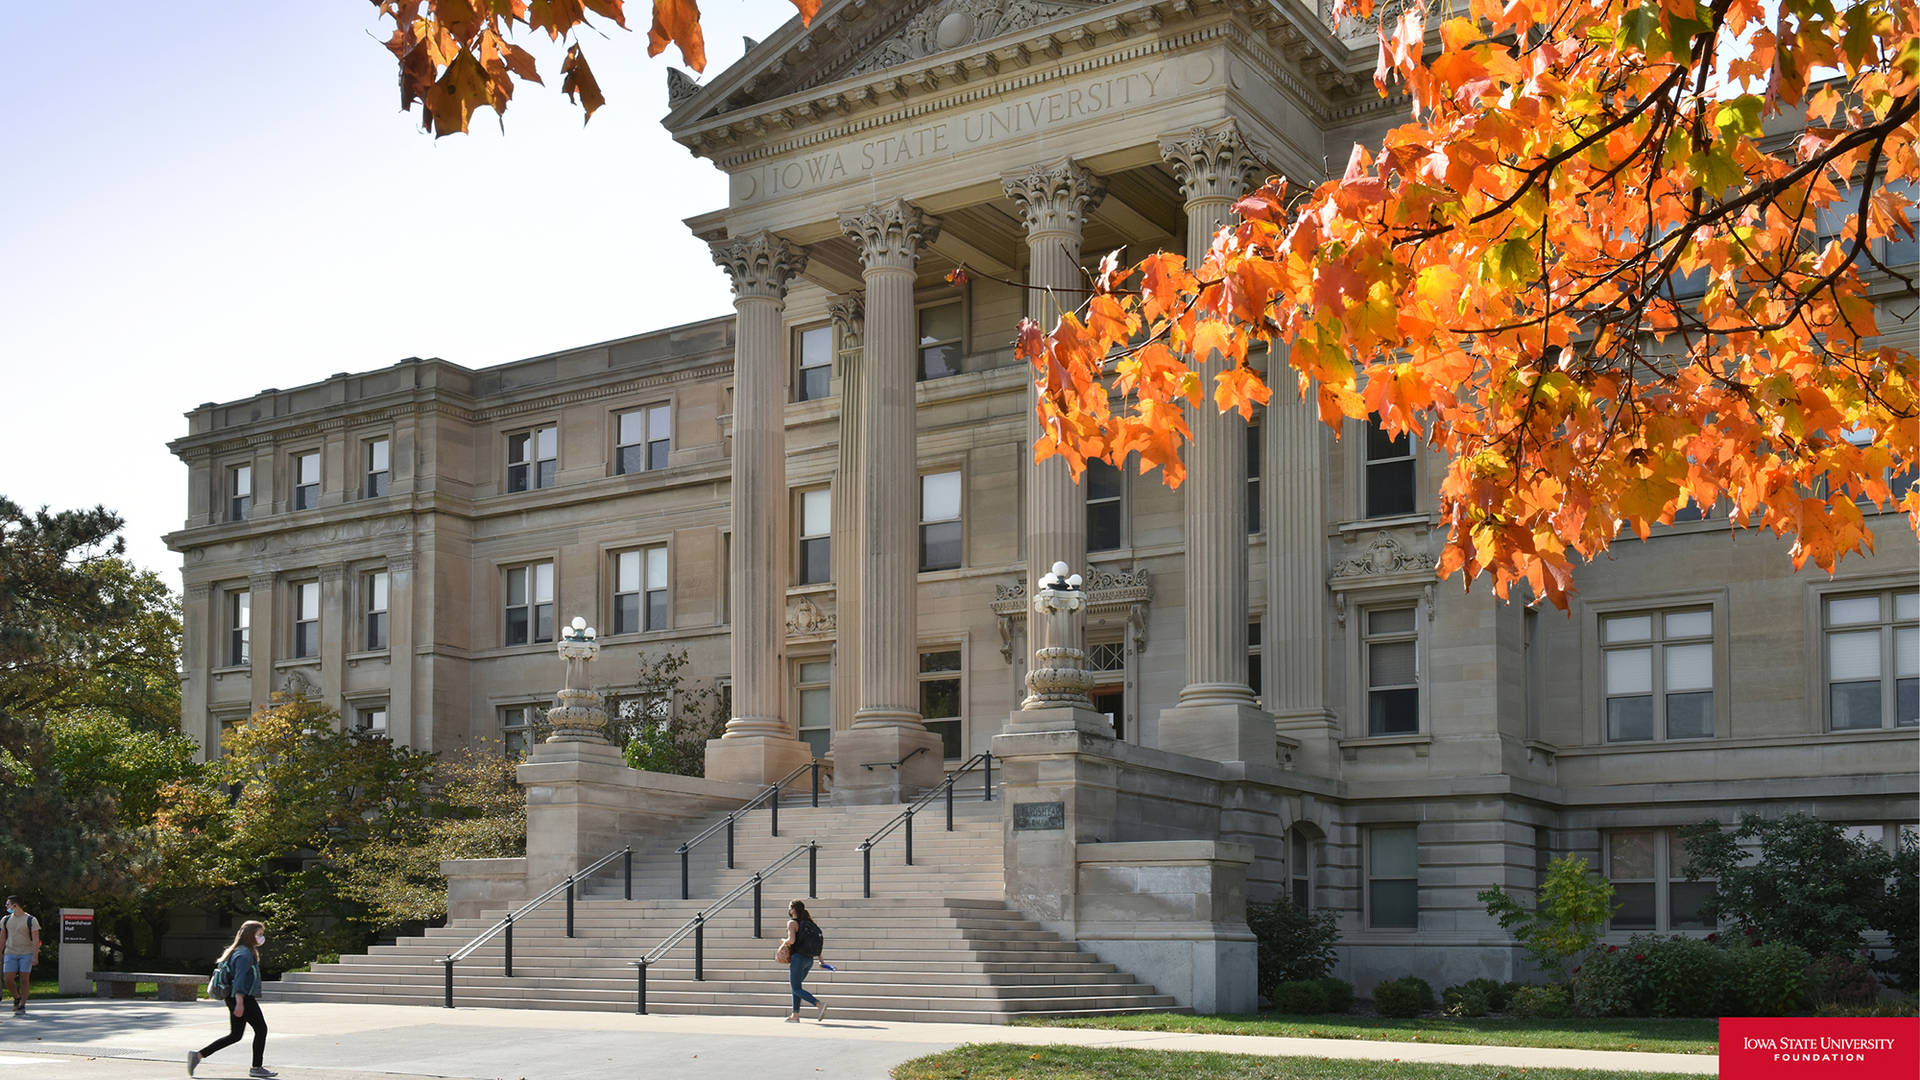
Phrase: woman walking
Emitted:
{"points": [[802, 947], [243, 998]]}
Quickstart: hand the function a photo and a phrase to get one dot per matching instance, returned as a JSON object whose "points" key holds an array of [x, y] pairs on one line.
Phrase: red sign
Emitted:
{"points": [[1817, 1048]]}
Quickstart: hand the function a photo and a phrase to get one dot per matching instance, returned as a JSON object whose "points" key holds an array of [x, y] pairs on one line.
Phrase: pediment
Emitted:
{"points": [[951, 25]]}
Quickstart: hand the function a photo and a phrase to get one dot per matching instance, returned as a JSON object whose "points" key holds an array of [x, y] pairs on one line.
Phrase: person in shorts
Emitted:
{"points": [[21, 933]]}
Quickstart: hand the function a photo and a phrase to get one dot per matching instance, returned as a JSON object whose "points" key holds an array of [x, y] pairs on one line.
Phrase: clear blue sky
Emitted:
{"points": [[199, 201]]}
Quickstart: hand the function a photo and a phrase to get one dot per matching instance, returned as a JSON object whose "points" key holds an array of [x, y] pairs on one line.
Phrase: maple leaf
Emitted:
{"points": [[577, 78], [677, 22]]}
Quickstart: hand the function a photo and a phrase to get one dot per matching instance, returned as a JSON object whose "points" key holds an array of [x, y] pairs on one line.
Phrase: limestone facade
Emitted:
{"points": [[1287, 681]]}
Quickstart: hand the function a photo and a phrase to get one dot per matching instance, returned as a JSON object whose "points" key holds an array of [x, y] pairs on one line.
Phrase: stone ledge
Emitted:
{"points": [[1165, 851]]}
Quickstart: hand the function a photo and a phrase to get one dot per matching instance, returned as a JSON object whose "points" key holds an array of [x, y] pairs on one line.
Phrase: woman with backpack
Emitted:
{"points": [[802, 947], [236, 981]]}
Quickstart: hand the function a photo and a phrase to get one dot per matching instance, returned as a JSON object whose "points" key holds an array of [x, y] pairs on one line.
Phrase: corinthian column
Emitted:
{"points": [[1216, 717], [758, 746], [888, 754], [849, 314]]}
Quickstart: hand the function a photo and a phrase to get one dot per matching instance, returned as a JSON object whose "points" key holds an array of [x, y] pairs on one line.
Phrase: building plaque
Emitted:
{"points": [[76, 928], [1037, 816]]}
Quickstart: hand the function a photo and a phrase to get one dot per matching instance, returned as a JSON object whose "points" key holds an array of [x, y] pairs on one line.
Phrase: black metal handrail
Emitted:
{"points": [[697, 926], [625, 854], [772, 791], [905, 817], [911, 754]]}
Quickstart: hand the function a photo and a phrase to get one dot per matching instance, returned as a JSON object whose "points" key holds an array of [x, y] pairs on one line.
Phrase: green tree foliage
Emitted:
{"points": [[1796, 879], [1899, 916], [1571, 914], [1294, 944], [664, 725]]}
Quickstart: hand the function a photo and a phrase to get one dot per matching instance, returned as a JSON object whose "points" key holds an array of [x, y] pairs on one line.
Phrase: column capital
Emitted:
{"points": [[849, 315], [1212, 162], [760, 264], [889, 234], [1055, 196]]}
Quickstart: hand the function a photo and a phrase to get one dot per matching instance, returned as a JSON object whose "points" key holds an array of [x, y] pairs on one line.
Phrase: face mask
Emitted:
{"points": [[260, 939]]}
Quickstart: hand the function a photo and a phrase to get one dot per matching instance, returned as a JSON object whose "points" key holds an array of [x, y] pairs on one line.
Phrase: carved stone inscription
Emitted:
{"points": [[1039, 816], [1005, 119]]}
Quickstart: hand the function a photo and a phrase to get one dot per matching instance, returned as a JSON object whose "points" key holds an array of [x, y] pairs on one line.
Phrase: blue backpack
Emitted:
{"points": [[221, 984]]}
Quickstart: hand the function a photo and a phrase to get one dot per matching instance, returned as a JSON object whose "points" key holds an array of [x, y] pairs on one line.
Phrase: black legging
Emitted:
{"points": [[250, 1016]]}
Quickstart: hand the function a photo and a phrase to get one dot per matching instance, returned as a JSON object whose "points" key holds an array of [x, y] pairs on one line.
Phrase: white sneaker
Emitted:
{"points": [[822, 1014], [193, 1061]]}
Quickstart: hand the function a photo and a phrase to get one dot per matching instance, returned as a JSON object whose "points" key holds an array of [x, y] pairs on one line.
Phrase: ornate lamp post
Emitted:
{"points": [[1059, 678], [580, 716]]}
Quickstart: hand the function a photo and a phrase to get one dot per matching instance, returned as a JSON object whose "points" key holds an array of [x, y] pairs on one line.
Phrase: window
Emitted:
{"points": [[1659, 675], [1103, 483], [1300, 867], [816, 540], [239, 492], [1393, 882], [1389, 473], [1868, 636], [1391, 647], [306, 480], [529, 604], [1253, 658], [1255, 454], [940, 521], [940, 697], [371, 718], [940, 330], [306, 619], [1648, 868], [373, 596], [640, 590], [516, 728], [239, 628], [813, 689], [813, 363], [531, 458], [378, 461], [645, 439]]}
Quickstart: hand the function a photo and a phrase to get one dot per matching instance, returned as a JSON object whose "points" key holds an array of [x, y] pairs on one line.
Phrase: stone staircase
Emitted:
{"points": [[936, 942]]}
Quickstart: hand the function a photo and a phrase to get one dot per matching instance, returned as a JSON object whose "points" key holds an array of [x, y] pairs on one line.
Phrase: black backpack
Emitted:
{"points": [[810, 940]]}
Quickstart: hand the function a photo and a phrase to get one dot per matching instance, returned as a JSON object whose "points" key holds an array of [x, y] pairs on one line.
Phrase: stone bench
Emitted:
{"points": [[172, 987]]}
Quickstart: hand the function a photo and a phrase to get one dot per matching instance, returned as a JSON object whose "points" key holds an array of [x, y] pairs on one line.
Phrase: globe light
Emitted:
{"points": [[579, 623], [1073, 582], [1060, 569]]}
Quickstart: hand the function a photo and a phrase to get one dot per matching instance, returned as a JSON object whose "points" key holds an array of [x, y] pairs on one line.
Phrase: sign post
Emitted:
{"points": [[76, 949]]}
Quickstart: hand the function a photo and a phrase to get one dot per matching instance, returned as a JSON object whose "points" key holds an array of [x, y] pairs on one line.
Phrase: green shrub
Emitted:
{"points": [[1540, 1003], [1686, 977], [1895, 916], [1403, 998], [1808, 883], [1497, 993], [1294, 943], [1766, 979], [1902, 1007], [1339, 994], [1569, 915], [1842, 980], [1299, 996], [1611, 980], [1466, 1001]]}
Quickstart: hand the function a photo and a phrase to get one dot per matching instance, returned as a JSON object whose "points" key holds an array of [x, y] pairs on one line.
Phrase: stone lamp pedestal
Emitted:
{"points": [[1058, 681]]}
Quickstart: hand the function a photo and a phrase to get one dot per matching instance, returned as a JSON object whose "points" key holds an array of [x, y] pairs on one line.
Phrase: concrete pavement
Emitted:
{"points": [[90, 1039]]}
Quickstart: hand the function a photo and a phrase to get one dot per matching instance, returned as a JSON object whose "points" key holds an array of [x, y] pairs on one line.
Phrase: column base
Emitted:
{"points": [[856, 782], [1085, 721], [755, 759], [1220, 733]]}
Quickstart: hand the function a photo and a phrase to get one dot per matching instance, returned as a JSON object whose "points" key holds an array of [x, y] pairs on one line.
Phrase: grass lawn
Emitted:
{"points": [[1653, 1036], [1011, 1061]]}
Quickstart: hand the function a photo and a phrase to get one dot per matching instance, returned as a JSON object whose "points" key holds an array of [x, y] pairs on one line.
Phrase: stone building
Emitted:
{"points": [[829, 501]]}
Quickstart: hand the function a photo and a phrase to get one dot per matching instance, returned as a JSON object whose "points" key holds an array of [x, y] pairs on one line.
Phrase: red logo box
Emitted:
{"points": [[1820, 1048]]}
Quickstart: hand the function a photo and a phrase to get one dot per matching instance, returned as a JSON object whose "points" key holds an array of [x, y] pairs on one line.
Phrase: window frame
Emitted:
{"points": [[805, 541], [801, 369], [1368, 638], [1368, 463], [1657, 644], [1302, 854], [921, 345], [1369, 878], [1117, 500], [1665, 841], [958, 675], [239, 505], [376, 596], [370, 487], [237, 636], [1887, 625], [1256, 653], [801, 688], [959, 519], [300, 491], [531, 604], [523, 725], [533, 461], [648, 414], [1593, 666], [362, 717], [1256, 460], [296, 606]]}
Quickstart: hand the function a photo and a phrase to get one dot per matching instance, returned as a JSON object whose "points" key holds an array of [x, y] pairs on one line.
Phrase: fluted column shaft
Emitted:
{"points": [[761, 264], [849, 319], [1212, 165], [889, 236], [1296, 552], [1054, 198]]}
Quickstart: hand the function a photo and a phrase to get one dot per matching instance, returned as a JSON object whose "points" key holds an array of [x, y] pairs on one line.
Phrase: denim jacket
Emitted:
{"points": [[246, 972]]}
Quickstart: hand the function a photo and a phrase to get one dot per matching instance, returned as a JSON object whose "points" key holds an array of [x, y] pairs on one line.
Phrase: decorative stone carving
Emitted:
{"points": [[806, 618], [1384, 557], [953, 24], [890, 233], [1055, 196], [579, 714], [760, 263], [680, 87], [1059, 678], [298, 683], [1212, 162], [1128, 590], [849, 315]]}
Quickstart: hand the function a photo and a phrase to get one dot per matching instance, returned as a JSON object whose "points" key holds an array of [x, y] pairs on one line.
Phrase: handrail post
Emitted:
{"points": [[986, 787], [950, 781], [774, 804], [756, 905], [641, 1007], [700, 947], [815, 767], [509, 946], [813, 870], [909, 838], [729, 841], [866, 870], [569, 907], [627, 858], [683, 871], [449, 966]]}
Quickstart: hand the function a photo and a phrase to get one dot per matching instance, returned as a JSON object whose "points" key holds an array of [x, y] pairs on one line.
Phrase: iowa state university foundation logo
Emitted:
{"points": [[1810, 1048]]}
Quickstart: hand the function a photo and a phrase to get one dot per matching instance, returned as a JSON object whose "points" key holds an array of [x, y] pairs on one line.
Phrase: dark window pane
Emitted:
{"points": [[1113, 702], [1381, 445], [819, 740], [1684, 900], [306, 496], [1692, 511], [1633, 905], [947, 660], [546, 473], [657, 609], [241, 505], [1855, 705], [376, 485], [626, 613], [939, 361], [376, 630], [1390, 488], [1906, 705], [657, 453], [815, 383], [1395, 905], [940, 545], [1393, 712], [1630, 719], [517, 477], [517, 626], [1102, 480], [306, 639], [940, 698], [632, 459], [1103, 526], [949, 732], [1690, 716], [1302, 893], [543, 622], [1253, 675], [816, 560]]}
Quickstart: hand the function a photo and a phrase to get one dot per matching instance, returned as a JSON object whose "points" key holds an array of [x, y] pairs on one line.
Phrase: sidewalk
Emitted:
{"points": [[137, 1040]]}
